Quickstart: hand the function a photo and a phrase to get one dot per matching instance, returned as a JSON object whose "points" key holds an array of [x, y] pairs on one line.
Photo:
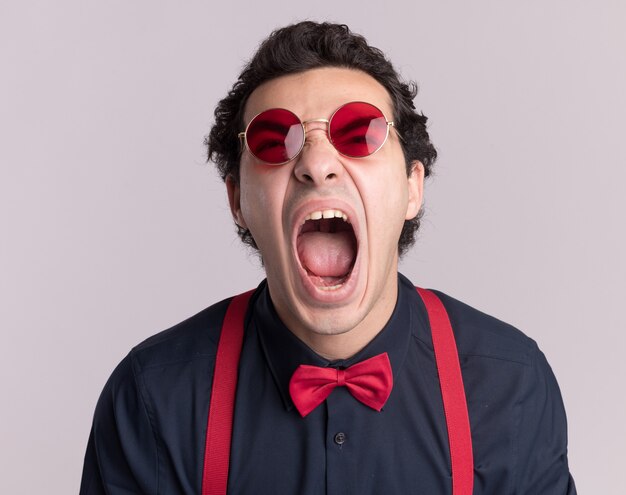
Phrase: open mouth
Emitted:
{"points": [[327, 248]]}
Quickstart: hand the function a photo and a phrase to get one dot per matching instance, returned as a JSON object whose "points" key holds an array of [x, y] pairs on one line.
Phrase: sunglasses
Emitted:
{"points": [[356, 130]]}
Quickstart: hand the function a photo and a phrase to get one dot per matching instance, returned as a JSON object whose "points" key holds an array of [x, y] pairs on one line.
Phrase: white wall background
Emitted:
{"points": [[112, 226]]}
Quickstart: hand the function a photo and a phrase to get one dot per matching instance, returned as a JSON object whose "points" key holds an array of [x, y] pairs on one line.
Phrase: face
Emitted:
{"points": [[328, 277]]}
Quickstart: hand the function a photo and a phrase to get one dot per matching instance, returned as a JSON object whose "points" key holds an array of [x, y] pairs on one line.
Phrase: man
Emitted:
{"points": [[324, 159]]}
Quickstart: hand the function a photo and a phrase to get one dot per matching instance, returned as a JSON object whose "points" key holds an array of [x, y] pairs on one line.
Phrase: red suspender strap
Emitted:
{"points": [[220, 422], [453, 394]]}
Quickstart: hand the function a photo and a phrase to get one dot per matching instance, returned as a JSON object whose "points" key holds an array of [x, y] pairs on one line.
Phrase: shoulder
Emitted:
{"points": [[158, 367], [480, 334], [513, 400], [495, 355], [194, 338]]}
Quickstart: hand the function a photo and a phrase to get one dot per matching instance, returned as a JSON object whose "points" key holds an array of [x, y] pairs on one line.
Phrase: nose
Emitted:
{"points": [[318, 162]]}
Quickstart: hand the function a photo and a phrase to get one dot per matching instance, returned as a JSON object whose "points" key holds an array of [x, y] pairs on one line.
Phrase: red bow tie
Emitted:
{"points": [[369, 381]]}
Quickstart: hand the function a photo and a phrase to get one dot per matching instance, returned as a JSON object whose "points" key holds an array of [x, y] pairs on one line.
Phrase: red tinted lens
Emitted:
{"points": [[275, 136], [358, 129]]}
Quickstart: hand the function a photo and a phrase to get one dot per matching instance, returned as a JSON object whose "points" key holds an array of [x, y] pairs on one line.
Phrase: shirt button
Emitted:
{"points": [[340, 438]]}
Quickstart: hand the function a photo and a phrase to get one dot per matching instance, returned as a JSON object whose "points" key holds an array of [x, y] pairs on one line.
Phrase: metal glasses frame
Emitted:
{"points": [[303, 124]]}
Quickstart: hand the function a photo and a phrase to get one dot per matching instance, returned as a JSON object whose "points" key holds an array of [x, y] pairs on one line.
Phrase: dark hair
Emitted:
{"points": [[308, 45]]}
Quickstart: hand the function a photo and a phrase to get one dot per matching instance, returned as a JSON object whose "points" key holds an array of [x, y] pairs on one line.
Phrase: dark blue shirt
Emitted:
{"points": [[149, 427]]}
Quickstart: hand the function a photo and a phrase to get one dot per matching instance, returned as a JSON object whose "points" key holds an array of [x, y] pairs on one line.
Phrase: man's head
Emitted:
{"points": [[308, 45], [328, 275]]}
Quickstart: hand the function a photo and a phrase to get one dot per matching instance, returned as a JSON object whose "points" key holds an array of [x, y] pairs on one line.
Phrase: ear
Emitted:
{"points": [[416, 190], [233, 189]]}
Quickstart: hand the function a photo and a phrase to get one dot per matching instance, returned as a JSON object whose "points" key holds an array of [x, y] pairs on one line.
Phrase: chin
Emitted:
{"points": [[332, 323]]}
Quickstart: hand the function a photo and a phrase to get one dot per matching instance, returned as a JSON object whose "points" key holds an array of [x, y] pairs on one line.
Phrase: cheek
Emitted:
{"points": [[250, 193], [252, 199], [397, 189], [261, 202], [386, 198]]}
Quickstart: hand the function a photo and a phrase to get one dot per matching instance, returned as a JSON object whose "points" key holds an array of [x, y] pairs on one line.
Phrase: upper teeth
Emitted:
{"points": [[316, 215]]}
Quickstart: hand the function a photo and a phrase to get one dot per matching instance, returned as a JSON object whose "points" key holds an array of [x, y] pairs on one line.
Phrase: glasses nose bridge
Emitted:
{"points": [[305, 124], [317, 167]]}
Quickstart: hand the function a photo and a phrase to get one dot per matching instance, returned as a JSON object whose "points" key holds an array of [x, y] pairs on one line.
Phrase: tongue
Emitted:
{"points": [[327, 254]]}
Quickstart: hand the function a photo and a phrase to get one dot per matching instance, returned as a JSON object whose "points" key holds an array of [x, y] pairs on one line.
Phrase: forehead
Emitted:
{"points": [[317, 93]]}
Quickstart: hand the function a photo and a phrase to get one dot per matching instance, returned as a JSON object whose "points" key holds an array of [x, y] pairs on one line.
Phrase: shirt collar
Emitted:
{"points": [[284, 352]]}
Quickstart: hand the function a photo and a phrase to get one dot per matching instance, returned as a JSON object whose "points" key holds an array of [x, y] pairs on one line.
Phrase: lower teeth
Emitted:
{"points": [[332, 287]]}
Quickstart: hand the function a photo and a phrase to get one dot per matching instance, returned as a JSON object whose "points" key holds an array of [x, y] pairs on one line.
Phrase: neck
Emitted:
{"points": [[337, 334], [343, 346]]}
